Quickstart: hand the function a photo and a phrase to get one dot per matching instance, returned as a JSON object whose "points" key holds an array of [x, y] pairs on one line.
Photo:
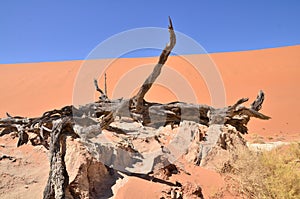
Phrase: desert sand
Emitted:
{"points": [[29, 89]]}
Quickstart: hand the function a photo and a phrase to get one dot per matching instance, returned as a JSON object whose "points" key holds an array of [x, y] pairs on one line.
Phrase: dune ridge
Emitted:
{"points": [[30, 89]]}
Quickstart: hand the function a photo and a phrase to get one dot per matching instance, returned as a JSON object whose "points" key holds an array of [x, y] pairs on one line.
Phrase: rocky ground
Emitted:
{"points": [[170, 167]]}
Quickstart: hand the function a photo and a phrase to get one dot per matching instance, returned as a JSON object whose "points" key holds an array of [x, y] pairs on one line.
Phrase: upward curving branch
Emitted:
{"points": [[257, 104], [139, 98], [103, 96]]}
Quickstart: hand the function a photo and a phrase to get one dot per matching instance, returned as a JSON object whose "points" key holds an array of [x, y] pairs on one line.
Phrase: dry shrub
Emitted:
{"points": [[273, 174]]}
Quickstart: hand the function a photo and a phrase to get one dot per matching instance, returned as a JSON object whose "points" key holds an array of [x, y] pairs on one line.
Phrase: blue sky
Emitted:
{"points": [[34, 31]]}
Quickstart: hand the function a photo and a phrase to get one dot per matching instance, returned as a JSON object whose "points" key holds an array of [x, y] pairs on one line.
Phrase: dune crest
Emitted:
{"points": [[30, 89]]}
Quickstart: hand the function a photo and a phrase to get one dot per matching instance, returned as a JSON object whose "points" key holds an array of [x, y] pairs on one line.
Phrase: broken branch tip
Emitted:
{"points": [[170, 23]]}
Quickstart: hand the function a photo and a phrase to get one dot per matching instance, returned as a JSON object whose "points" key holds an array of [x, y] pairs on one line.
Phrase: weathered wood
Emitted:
{"points": [[23, 136], [58, 177], [257, 104], [103, 96], [105, 85], [139, 98]]}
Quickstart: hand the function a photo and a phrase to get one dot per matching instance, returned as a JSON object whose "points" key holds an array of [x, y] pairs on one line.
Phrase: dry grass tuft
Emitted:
{"points": [[274, 174]]}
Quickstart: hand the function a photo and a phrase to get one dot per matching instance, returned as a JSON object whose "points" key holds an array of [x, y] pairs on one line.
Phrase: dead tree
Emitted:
{"points": [[105, 85], [138, 100], [58, 177], [55, 125]]}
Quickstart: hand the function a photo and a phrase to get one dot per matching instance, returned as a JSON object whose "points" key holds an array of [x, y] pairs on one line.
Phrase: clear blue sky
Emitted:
{"points": [[33, 31]]}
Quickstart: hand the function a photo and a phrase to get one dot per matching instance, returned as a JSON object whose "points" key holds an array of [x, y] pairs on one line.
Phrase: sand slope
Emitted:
{"points": [[33, 88], [30, 89]]}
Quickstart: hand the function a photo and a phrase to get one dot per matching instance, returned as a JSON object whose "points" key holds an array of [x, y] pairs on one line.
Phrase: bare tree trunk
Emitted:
{"points": [[58, 177], [139, 98], [105, 85]]}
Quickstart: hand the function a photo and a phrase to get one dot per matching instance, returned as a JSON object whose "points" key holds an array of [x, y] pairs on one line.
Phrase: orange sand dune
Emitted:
{"points": [[32, 88]]}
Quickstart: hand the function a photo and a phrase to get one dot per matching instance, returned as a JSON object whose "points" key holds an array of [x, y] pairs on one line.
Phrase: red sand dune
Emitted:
{"points": [[29, 89], [33, 88]]}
